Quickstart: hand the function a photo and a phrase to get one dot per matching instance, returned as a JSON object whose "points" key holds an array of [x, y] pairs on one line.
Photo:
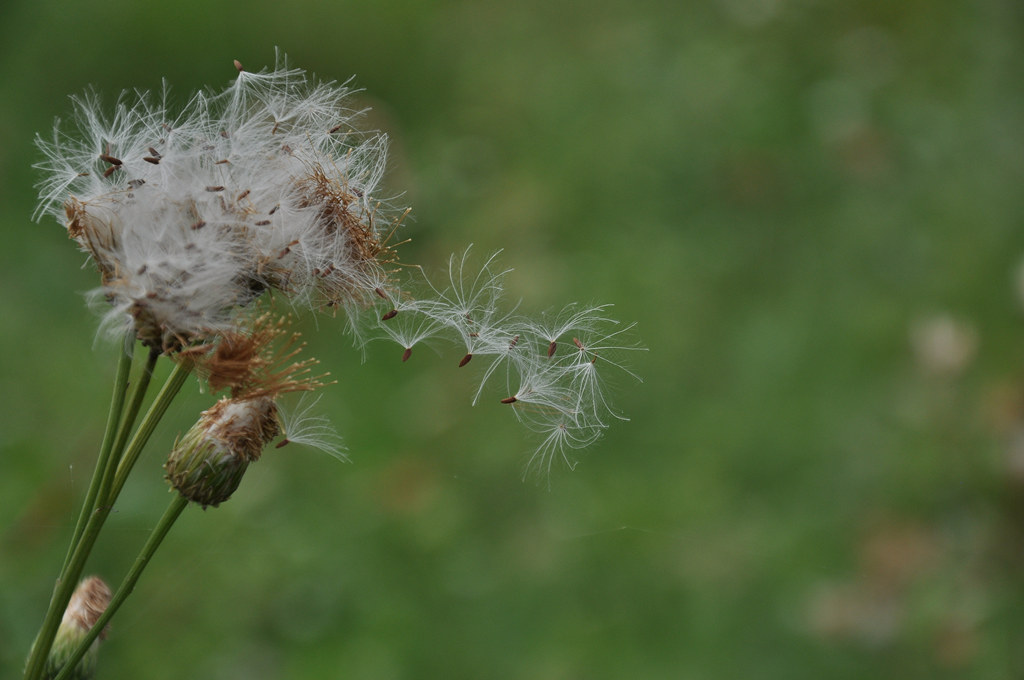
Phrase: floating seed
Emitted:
{"points": [[407, 353], [390, 315], [465, 360]]}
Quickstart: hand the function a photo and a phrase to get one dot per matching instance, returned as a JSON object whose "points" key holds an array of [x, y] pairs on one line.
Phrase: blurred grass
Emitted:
{"points": [[812, 210]]}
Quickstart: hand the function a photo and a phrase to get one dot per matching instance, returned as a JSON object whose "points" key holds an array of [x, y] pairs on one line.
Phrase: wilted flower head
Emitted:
{"points": [[256, 364], [89, 601], [190, 215]]}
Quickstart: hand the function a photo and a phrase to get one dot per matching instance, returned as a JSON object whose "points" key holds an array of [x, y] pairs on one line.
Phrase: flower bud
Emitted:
{"points": [[208, 462], [87, 604]]}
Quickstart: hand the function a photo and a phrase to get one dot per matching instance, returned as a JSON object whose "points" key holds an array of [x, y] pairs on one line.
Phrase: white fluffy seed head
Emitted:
{"points": [[190, 215]]}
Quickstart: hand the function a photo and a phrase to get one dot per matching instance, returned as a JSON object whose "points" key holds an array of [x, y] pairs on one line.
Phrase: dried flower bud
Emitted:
{"points": [[87, 604], [206, 465]]}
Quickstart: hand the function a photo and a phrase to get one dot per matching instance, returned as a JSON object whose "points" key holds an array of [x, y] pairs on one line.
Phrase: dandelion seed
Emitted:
{"points": [[406, 354], [389, 315], [465, 360]]}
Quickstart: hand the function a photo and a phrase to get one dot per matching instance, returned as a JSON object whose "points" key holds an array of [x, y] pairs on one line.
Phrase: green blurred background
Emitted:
{"points": [[813, 210]]}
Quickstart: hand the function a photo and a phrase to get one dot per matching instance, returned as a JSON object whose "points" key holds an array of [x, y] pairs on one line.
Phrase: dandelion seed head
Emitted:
{"points": [[269, 187], [191, 215]]}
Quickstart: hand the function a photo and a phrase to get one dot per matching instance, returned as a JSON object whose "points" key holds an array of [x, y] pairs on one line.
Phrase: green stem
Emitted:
{"points": [[141, 387], [113, 418], [65, 586], [98, 515], [156, 411], [128, 585]]}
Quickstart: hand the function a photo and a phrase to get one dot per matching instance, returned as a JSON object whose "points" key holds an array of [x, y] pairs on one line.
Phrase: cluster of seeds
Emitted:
{"points": [[552, 368], [191, 216]]}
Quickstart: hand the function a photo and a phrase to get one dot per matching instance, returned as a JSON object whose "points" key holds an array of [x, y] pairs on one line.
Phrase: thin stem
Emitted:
{"points": [[128, 585], [139, 393], [156, 411], [65, 586], [98, 515], [113, 418]]}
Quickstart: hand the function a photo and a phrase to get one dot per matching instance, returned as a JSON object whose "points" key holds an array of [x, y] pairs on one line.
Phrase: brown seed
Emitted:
{"points": [[151, 159], [509, 400], [380, 292], [390, 315], [465, 360], [276, 124], [274, 209], [281, 443], [334, 129], [136, 183], [286, 148], [262, 223], [551, 348], [110, 159], [578, 343], [224, 134], [110, 171], [198, 225], [242, 195], [215, 188], [407, 353], [513, 343], [154, 152], [221, 161], [238, 65]]}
